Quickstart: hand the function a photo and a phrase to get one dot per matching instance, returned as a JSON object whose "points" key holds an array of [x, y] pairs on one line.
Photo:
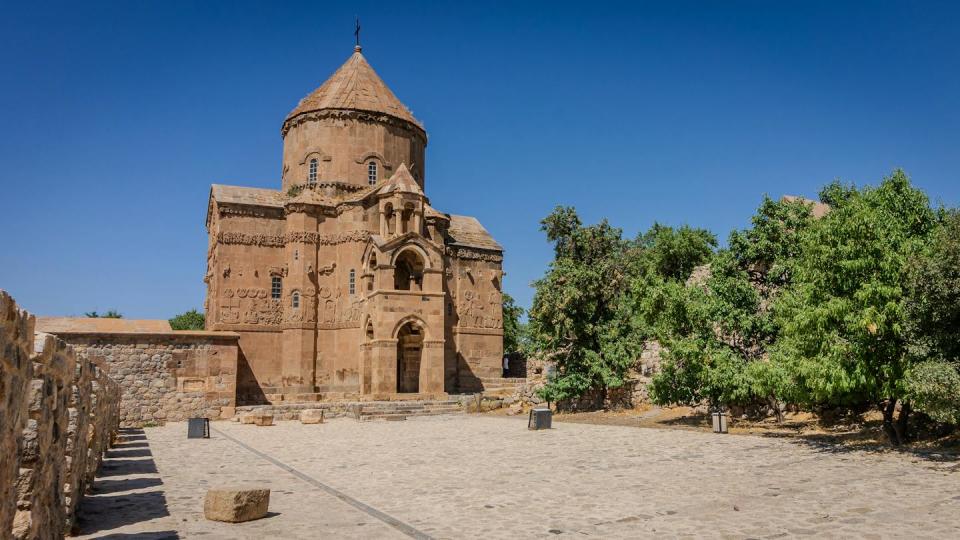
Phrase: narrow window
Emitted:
{"points": [[296, 254], [295, 300], [353, 281], [312, 176], [276, 287], [372, 173]]}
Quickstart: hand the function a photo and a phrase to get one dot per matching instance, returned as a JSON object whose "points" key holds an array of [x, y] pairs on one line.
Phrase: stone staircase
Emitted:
{"points": [[362, 410], [502, 387]]}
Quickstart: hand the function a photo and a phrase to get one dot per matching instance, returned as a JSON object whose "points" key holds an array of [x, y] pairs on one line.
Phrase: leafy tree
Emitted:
{"points": [[674, 253], [843, 320], [188, 320], [513, 330], [933, 387], [933, 293], [110, 314], [575, 302], [604, 297], [716, 334]]}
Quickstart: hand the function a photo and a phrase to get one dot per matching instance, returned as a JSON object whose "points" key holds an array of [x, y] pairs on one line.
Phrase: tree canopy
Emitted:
{"points": [[188, 320], [859, 306], [110, 314]]}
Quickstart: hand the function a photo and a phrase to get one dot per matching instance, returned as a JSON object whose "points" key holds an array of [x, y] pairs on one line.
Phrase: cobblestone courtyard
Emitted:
{"points": [[486, 477]]}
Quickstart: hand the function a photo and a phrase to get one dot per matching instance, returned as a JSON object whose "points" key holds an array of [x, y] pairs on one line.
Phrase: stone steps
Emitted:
{"points": [[502, 386], [360, 410]]}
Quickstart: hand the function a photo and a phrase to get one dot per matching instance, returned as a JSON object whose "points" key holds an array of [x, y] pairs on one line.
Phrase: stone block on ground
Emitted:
{"points": [[262, 419], [311, 416], [235, 505]]}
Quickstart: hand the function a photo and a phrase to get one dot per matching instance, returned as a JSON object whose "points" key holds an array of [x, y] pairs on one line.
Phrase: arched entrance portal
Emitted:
{"points": [[409, 350]]}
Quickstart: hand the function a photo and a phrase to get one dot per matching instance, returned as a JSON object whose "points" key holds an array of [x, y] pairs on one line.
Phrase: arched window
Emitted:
{"points": [[312, 175], [372, 173], [353, 281], [295, 300], [276, 287], [408, 272]]}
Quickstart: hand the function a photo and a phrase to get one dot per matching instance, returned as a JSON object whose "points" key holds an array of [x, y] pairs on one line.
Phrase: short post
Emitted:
{"points": [[540, 419], [719, 421], [198, 428]]}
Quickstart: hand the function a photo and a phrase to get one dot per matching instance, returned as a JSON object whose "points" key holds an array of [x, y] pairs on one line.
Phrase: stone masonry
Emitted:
{"points": [[165, 376], [58, 415]]}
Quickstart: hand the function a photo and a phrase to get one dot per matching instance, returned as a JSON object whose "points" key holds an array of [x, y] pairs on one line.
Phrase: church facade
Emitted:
{"points": [[346, 283]]}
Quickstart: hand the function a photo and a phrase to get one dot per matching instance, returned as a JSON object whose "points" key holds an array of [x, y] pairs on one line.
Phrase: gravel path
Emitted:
{"points": [[476, 476]]}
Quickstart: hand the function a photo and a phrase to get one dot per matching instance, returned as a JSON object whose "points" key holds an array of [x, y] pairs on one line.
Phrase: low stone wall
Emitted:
{"points": [[58, 415], [166, 376]]}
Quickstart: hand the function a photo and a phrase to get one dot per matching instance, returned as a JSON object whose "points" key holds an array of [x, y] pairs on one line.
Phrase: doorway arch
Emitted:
{"points": [[409, 356]]}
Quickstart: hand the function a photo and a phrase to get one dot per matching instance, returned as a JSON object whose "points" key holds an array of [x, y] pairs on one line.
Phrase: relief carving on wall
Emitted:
{"points": [[300, 237], [480, 303], [337, 311], [248, 306], [463, 253]]}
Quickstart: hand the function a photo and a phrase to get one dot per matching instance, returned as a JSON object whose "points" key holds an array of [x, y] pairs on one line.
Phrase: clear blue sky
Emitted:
{"points": [[116, 118]]}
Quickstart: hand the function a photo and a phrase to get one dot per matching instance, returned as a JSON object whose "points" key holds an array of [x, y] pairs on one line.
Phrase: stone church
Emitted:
{"points": [[346, 283]]}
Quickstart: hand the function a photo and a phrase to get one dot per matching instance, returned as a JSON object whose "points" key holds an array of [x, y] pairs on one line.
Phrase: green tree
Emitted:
{"points": [[933, 387], [843, 339], [110, 314], [933, 293], [674, 253], [716, 333], [513, 330], [188, 320], [575, 302]]}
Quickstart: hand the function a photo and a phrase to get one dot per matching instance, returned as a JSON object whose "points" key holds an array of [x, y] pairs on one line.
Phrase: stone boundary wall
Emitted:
{"points": [[58, 415], [166, 376]]}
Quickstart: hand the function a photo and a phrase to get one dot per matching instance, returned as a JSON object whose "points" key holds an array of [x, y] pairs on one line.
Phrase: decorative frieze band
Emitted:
{"points": [[463, 253], [298, 237], [348, 114]]}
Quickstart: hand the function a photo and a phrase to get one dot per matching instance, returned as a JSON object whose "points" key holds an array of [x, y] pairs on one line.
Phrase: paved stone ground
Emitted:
{"points": [[470, 477]]}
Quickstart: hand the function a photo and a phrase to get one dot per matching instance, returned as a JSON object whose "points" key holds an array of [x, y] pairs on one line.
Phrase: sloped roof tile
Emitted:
{"points": [[468, 232]]}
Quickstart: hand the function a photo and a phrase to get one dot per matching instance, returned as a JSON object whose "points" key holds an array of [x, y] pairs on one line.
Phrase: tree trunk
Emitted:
{"points": [[889, 430], [902, 424], [775, 403]]}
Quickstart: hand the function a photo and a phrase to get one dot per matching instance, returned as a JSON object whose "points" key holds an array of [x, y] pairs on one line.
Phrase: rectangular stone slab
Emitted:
{"points": [[235, 505], [311, 416]]}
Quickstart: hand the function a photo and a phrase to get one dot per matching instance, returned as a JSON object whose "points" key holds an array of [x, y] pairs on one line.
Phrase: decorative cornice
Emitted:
{"points": [[478, 331], [351, 114]]}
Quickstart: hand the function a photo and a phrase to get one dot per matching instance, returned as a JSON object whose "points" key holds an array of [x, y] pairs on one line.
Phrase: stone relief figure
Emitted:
{"points": [[309, 303], [229, 315], [329, 311]]}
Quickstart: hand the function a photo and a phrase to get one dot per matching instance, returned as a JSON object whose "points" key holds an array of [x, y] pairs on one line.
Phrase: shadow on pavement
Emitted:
{"points": [[125, 492]]}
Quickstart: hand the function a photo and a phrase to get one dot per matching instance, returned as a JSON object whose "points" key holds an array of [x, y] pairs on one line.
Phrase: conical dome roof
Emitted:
{"points": [[355, 86]]}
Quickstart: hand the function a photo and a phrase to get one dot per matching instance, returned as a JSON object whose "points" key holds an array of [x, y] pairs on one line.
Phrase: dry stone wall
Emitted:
{"points": [[16, 372], [169, 376], [58, 415]]}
